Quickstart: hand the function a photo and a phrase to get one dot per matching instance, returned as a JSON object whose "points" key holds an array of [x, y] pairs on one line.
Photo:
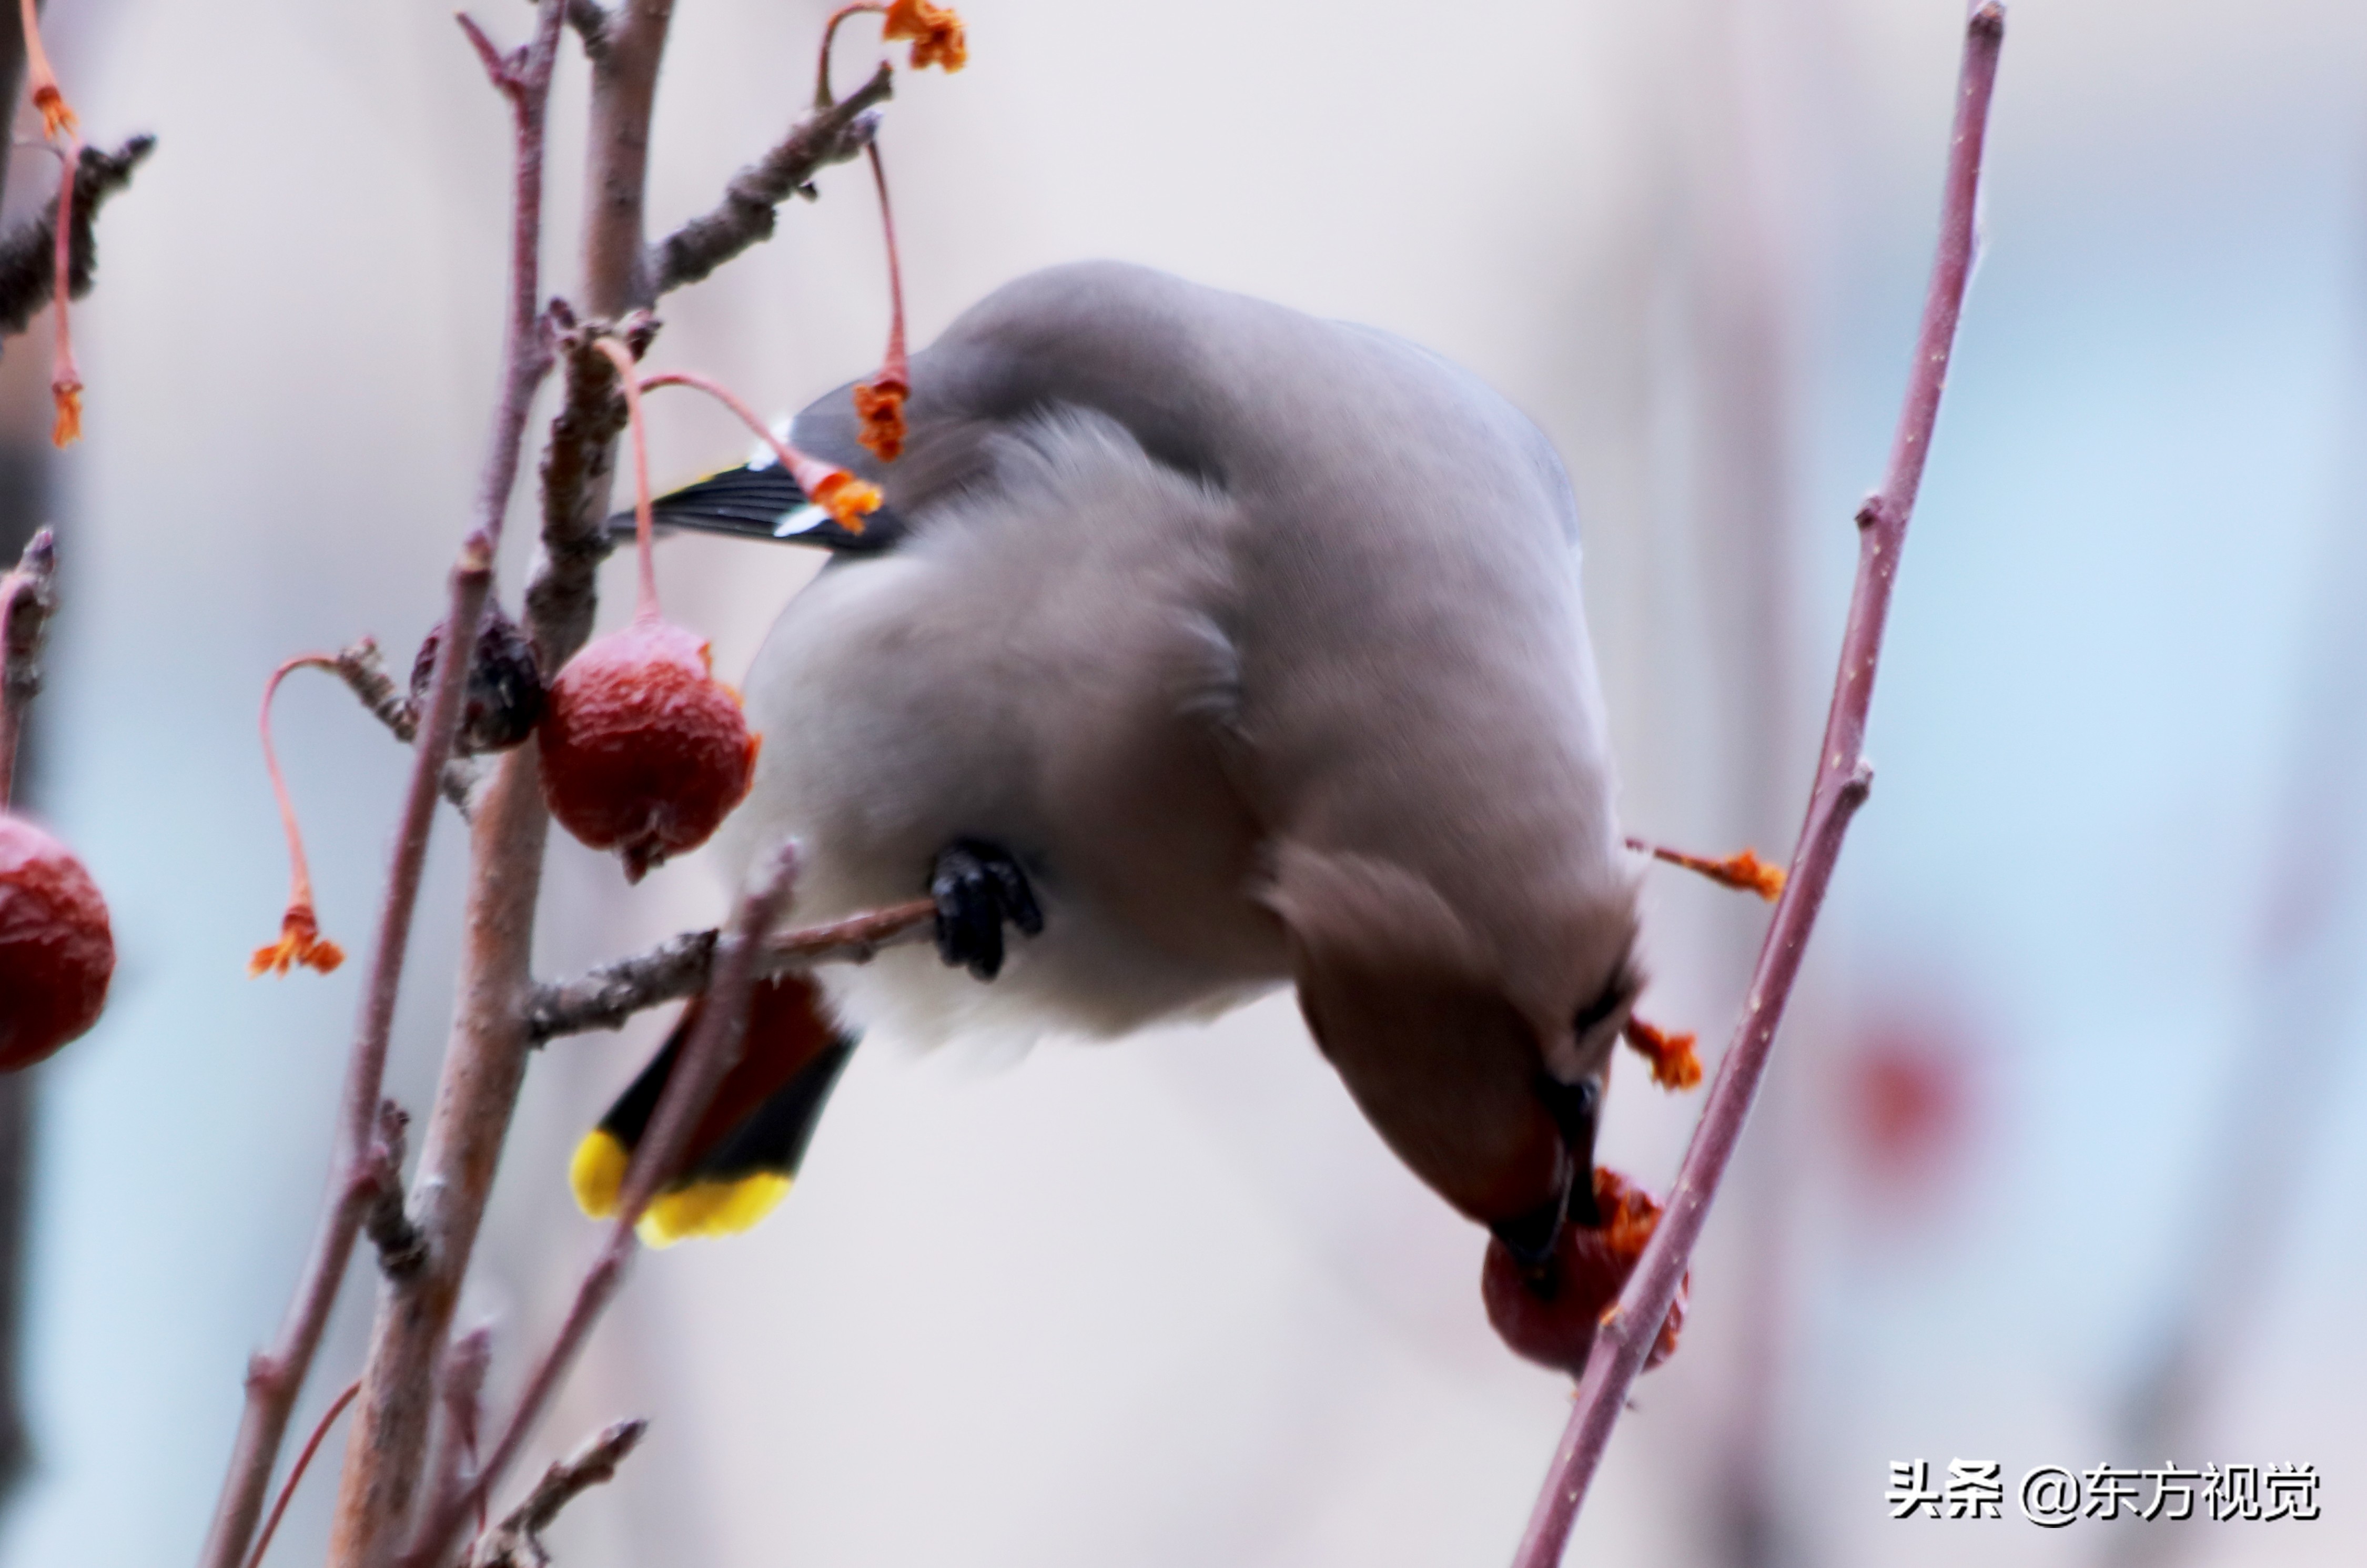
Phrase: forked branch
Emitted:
{"points": [[1842, 781]]}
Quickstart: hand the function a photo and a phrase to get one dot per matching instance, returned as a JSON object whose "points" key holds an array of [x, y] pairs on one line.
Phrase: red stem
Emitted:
{"points": [[896, 367], [65, 380], [1842, 781], [299, 875], [823, 98], [303, 1462], [811, 473], [629, 376]]}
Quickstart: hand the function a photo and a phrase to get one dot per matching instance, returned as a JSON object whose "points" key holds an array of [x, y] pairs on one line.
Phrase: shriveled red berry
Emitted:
{"points": [[504, 699], [57, 951], [1552, 1321], [644, 750]]}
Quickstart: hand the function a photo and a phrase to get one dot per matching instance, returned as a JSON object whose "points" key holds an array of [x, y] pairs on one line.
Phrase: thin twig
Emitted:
{"points": [[517, 1541], [460, 1393], [1842, 781], [745, 216], [679, 967], [363, 669], [296, 1471], [713, 1048], [28, 264], [29, 596]]}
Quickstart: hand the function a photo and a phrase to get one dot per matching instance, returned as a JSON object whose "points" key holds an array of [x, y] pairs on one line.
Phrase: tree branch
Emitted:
{"points": [[576, 467], [679, 966], [745, 216], [275, 1378], [28, 267], [390, 1427], [515, 1542], [363, 670], [624, 90], [713, 1048], [1842, 781], [29, 596]]}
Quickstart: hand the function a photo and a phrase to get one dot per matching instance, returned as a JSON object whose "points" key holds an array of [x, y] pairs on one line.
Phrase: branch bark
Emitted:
{"points": [[29, 596], [745, 215], [679, 966], [1842, 781]]}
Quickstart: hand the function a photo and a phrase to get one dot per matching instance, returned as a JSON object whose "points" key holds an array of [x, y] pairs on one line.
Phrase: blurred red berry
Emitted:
{"points": [[57, 952], [644, 750], [1552, 1320]]}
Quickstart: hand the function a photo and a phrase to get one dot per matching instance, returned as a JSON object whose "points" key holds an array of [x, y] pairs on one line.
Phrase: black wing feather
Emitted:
{"points": [[753, 503]]}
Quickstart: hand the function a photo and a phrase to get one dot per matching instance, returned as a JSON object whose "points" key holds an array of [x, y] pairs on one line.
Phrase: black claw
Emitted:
{"points": [[978, 886]]}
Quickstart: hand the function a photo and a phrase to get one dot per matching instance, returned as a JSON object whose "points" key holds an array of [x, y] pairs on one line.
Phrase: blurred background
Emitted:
{"points": [[2051, 1169]]}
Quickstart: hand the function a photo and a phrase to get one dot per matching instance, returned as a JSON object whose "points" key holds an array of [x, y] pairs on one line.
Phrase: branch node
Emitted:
{"points": [[500, 68], [591, 22], [402, 1247]]}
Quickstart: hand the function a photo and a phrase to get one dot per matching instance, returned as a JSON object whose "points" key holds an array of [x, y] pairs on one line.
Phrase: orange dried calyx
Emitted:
{"points": [[1745, 871], [66, 396], [846, 498], [300, 945], [879, 405], [1674, 1063], [1749, 872], [935, 31]]}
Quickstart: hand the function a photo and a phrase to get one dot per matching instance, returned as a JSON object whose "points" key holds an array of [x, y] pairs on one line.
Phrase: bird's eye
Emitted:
{"points": [[1618, 991], [1591, 1016]]}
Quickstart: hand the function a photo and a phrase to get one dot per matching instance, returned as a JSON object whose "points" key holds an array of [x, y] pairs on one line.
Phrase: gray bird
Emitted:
{"points": [[1213, 646]]}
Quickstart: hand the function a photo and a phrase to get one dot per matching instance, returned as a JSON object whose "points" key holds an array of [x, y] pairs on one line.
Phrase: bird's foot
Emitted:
{"points": [[977, 887]]}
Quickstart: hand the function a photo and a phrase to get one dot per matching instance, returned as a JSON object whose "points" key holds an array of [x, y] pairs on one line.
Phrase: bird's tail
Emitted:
{"points": [[748, 1146]]}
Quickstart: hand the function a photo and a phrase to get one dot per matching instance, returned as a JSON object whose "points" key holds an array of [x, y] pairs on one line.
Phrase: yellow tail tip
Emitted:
{"points": [[712, 1208], [597, 1173]]}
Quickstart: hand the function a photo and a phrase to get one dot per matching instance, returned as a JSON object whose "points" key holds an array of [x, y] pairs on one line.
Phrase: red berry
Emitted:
{"points": [[56, 950], [644, 750], [1553, 1322]]}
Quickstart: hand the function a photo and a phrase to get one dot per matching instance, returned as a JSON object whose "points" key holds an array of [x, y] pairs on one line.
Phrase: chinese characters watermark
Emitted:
{"points": [[2052, 1496]]}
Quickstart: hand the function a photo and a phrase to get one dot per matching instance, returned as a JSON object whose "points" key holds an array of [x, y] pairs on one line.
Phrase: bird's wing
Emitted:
{"points": [[763, 502]]}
